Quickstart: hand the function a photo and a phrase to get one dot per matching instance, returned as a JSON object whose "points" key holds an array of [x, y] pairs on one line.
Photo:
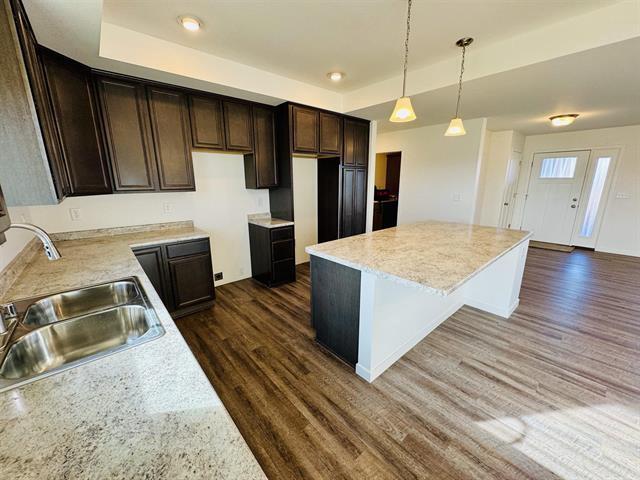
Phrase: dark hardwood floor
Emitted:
{"points": [[554, 392]]}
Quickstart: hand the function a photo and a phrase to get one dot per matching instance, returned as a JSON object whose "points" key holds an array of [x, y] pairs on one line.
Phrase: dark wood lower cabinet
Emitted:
{"points": [[272, 254], [191, 280], [181, 273]]}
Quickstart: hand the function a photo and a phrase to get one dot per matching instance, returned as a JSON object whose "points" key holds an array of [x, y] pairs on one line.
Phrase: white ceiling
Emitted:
{"points": [[602, 85], [305, 39], [300, 40]]}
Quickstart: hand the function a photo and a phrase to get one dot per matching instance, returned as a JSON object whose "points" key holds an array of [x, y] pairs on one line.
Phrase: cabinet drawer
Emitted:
{"points": [[282, 250], [187, 248], [284, 271], [283, 233]]}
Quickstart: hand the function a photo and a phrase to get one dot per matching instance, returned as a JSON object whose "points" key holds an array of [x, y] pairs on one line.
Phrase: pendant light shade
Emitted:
{"points": [[456, 128], [403, 112]]}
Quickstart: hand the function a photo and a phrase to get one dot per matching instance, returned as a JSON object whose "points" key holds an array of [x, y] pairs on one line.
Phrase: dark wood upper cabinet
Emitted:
{"points": [[304, 126], [75, 113], [356, 143], [5, 221], [169, 112], [238, 126], [207, 125], [260, 166], [330, 133], [125, 115], [37, 83]]}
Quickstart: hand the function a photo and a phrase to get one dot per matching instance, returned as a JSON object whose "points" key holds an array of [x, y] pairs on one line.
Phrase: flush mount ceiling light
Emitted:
{"points": [[403, 111], [563, 120], [190, 23], [335, 76], [456, 128]]}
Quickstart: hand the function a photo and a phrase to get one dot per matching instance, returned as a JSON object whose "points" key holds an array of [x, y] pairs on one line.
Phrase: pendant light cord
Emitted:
{"points": [[464, 49], [406, 50]]}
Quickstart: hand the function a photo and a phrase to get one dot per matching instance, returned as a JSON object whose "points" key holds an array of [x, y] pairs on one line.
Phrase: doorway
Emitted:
{"points": [[564, 202], [387, 190]]}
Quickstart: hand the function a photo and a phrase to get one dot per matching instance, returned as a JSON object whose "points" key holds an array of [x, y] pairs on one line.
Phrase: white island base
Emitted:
{"points": [[395, 316]]}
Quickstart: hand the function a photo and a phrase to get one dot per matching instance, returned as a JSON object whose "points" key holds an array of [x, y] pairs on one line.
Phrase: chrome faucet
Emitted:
{"points": [[7, 313], [49, 248]]}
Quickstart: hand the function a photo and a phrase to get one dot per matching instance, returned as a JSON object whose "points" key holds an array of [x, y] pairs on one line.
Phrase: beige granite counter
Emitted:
{"points": [[146, 412], [267, 221], [435, 256]]}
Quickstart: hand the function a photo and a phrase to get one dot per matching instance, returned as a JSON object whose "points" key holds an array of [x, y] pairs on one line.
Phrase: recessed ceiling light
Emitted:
{"points": [[563, 120], [190, 23], [335, 76]]}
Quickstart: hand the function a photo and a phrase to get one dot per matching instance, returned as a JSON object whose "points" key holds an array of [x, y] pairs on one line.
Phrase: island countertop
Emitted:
{"points": [[146, 412], [436, 256]]}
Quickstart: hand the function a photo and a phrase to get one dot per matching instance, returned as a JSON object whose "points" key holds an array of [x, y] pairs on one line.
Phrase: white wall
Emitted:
{"points": [[439, 175], [620, 230], [305, 205], [220, 206]]}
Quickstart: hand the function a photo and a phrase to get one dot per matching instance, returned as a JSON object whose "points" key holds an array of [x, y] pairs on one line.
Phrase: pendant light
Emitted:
{"points": [[456, 128], [403, 111]]}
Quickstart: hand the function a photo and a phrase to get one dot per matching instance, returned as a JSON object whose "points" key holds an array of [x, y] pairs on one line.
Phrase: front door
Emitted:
{"points": [[555, 187]]}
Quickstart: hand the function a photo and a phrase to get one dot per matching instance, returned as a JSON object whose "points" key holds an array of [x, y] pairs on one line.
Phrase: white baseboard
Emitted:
{"points": [[496, 310]]}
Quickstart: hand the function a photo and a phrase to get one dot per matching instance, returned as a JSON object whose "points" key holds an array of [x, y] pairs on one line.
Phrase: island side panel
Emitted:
{"points": [[496, 289], [335, 307], [393, 318]]}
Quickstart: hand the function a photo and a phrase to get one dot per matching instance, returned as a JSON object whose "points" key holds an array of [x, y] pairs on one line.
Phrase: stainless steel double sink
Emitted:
{"points": [[61, 331]]}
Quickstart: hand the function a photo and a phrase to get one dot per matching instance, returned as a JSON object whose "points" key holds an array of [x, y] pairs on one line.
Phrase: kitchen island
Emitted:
{"points": [[376, 295]]}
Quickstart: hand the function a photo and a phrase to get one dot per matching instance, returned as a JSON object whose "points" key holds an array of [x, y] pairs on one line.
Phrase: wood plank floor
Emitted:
{"points": [[554, 392]]}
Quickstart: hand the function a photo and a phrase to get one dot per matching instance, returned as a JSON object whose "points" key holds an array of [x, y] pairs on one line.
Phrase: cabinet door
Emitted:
{"points": [[360, 202], [125, 116], [356, 143], [5, 221], [172, 139], [237, 126], [264, 147], [354, 201], [330, 133], [152, 263], [75, 113], [37, 83], [191, 280], [207, 126], [304, 125]]}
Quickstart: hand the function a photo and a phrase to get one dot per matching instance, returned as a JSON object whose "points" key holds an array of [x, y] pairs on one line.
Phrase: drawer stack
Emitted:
{"points": [[272, 254]]}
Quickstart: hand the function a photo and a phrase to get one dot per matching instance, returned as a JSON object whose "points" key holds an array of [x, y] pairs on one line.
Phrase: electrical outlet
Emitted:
{"points": [[168, 208], [456, 197], [75, 214], [218, 276]]}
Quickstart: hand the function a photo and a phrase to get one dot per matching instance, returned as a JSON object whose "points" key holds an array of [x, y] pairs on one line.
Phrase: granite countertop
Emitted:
{"points": [[435, 256], [146, 412], [267, 221]]}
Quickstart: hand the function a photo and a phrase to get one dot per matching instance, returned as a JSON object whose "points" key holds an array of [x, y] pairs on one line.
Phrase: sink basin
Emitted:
{"points": [[64, 330], [85, 300], [79, 338]]}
